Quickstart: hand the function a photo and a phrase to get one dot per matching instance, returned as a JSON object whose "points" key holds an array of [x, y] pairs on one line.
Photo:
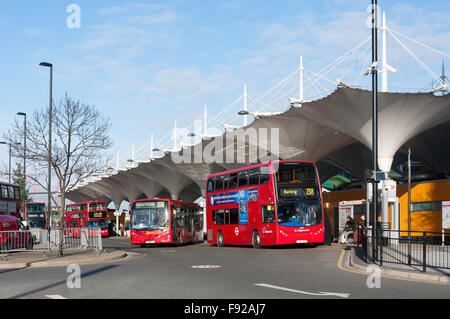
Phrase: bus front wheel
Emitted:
{"points": [[256, 239], [219, 239]]}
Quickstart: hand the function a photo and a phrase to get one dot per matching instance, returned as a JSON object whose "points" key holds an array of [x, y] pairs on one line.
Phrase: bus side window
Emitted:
{"points": [[210, 187], [233, 180], [16, 193], [215, 218], [265, 175], [226, 182], [234, 216], [11, 192], [243, 179], [254, 177], [219, 184], [227, 217], [4, 192], [220, 217]]}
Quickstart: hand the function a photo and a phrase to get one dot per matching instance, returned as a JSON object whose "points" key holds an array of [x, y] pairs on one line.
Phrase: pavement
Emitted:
{"points": [[33, 259], [352, 259]]}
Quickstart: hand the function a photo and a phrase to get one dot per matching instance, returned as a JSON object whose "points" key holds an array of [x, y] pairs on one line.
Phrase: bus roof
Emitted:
{"points": [[8, 184], [178, 202], [256, 166], [95, 201]]}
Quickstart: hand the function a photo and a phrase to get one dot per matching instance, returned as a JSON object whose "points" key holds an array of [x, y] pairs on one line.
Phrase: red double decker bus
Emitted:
{"points": [[275, 203], [88, 215], [165, 221], [35, 215], [10, 200]]}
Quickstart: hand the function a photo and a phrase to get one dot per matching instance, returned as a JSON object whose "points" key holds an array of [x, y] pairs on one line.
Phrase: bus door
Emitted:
{"points": [[174, 214], [268, 221]]}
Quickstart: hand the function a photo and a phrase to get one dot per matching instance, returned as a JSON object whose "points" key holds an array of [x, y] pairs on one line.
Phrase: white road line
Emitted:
{"points": [[55, 297], [322, 294]]}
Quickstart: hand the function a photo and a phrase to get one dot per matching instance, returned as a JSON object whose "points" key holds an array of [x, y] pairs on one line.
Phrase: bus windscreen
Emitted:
{"points": [[150, 215], [299, 213], [36, 215]]}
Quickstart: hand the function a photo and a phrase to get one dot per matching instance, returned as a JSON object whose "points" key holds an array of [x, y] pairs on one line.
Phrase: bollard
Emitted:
{"points": [[424, 257], [381, 254]]}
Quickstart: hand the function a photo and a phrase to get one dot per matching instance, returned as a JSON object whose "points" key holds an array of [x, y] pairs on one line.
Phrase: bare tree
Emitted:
{"points": [[80, 135]]}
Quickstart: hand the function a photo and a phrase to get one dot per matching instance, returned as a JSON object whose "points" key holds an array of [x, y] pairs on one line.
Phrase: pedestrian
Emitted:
{"points": [[362, 231], [348, 229], [122, 230]]}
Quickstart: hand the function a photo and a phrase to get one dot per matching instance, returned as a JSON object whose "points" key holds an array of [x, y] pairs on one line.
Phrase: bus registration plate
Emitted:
{"points": [[302, 241], [150, 242]]}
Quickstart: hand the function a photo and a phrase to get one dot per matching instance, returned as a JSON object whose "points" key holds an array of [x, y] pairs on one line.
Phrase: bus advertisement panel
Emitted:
{"points": [[165, 221], [276, 203]]}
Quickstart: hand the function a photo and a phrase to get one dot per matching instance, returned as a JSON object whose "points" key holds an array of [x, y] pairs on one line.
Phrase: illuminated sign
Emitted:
{"points": [[297, 192], [97, 215], [289, 192], [158, 204]]}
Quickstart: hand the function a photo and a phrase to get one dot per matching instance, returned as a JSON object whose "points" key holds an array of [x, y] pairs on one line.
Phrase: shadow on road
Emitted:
{"points": [[87, 274]]}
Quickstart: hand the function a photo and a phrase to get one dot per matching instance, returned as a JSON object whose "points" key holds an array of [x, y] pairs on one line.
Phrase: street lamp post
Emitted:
{"points": [[24, 154], [49, 204], [374, 124]]}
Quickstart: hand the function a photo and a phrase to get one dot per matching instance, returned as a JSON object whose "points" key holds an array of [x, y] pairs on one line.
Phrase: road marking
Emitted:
{"points": [[322, 294], [55, 297], [205, 267]]}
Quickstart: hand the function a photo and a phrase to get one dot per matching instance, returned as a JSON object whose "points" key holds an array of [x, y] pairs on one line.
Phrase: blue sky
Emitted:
{"points": [[145, 64]]}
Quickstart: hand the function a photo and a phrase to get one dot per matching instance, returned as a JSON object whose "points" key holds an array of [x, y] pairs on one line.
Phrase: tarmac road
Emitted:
{"points": [[223, 273]]}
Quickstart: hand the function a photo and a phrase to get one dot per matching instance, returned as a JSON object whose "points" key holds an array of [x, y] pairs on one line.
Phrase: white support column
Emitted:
{"points": [[384, 79], [302, 69], [175, 137], [151, 147], [396, 221], [385, 67], [205, 122], [132, 153], [245, 104], [118, 161]]}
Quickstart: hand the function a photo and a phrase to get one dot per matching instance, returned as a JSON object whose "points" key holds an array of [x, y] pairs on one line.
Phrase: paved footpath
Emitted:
{"points": [[50, 259], [351, 259]]}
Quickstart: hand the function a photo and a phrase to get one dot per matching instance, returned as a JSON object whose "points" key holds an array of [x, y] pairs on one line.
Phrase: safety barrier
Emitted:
{"points": [[74, 239], [16, 241], [416, 248]]}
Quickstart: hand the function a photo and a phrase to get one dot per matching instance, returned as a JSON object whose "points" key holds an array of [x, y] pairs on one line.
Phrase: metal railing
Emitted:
{"points": [[74, 239], [416, 248]]}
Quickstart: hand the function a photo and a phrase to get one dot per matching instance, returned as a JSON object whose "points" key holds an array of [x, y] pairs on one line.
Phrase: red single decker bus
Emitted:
{"points": [[275, 203], [88, 215], [35, 215], [10, 200], [165, 221]]}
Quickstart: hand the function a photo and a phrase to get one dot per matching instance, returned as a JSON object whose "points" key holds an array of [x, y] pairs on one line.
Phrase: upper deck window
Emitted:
{"points": [[296, 173]]}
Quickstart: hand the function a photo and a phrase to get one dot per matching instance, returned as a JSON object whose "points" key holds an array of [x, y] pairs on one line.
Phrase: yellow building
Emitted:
{"points": [[426, 199]]}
